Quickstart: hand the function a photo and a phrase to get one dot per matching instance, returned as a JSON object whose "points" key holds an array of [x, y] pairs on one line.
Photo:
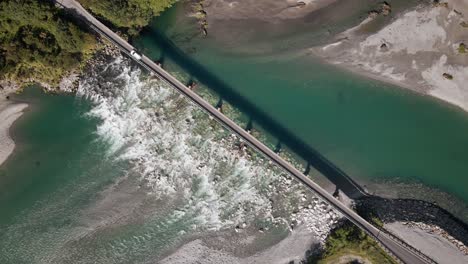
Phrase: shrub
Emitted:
{"points": [[37, 41], [128, 14]]}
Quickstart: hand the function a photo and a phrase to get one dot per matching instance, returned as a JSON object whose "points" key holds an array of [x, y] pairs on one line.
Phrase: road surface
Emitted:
{"points": [[393, 245]]}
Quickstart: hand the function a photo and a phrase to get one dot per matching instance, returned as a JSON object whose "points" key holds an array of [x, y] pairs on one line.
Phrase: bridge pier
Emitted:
{"points": [[307, 169], [397, 247], [336, 193], [249, 126], [278, 147], [160, 61], [219, 105], [192, 84]]}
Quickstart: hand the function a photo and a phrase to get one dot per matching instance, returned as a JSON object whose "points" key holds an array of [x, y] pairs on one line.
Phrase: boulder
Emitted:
{"points": [[384, 47], [447, 76], [386, 8]]}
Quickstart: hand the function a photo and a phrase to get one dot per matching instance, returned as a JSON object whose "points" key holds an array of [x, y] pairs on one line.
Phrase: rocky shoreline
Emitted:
{"points": [[453, 226], [11, 111], [69, 82], [416, 213], [300, 213], [433, 229], [198, 11]]}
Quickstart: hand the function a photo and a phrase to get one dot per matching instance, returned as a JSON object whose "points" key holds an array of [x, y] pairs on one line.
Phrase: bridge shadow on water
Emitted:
{"points": [[343, 181]]}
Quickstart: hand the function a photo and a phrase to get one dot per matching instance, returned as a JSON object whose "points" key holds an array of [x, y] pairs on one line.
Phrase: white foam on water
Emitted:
{"points": [[185, 161], [153, 127], [190, 165]]}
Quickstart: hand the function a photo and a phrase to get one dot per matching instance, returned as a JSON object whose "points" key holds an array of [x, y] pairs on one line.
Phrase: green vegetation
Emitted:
{"points": [[350, 241], [462, 48], [127, 14], [375, 220], [41, 43], [38, 42]]}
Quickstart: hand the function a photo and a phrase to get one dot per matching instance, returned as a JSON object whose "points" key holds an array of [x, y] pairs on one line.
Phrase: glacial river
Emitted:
{"points": [[376, 132], [126, 171]]}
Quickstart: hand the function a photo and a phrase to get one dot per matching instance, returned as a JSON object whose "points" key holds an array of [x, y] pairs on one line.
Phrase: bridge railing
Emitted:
{"points": [[404, 244], [102, 33]]}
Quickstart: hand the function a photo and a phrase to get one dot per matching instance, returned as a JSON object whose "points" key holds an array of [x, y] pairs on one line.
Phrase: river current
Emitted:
{"points": [[128, 170], [393, 141]]}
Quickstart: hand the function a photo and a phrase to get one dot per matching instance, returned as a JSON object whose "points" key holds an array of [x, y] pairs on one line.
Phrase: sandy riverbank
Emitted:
{"points": [[9, 113], [415, 50], [294, 247], [265, 10]]}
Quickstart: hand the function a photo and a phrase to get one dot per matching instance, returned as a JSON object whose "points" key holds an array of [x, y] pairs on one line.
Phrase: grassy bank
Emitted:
{"points": [[347, 244]]}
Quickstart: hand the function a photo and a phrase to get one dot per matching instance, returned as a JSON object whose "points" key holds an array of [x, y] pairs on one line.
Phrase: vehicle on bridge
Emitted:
{"points": [[135, 55]]}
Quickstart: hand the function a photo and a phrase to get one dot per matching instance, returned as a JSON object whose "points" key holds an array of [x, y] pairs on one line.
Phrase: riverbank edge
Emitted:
{"points": [[66, 90], [399, 85], [10, 112], [354, 35], [376, 77], [416, 214], [442, 229]]}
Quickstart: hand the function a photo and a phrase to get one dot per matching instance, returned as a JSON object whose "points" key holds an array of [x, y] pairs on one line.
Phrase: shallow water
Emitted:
{"points": [[128, 170], [371, 130]]}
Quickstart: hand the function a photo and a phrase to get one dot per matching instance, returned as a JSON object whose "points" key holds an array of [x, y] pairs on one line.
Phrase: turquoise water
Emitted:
{"points": [[126, 172], [371, 130], [55, 144], [59, 172], [65, 198]]}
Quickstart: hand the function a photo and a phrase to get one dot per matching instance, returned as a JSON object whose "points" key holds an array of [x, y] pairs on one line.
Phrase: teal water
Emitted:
{"points": [[126, 171], [49, 186], [54, 144], [56, 170], [65, 199], [371, 130]]}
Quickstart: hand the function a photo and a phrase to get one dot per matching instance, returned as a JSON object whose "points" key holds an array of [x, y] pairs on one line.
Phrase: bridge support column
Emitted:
{"points": [[219, 105], [336, 193], [160, 61], [278, 147], [249, 126], [192, 84], [307, 169]]}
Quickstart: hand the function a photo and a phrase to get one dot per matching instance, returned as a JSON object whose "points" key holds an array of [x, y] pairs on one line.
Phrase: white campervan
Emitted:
{"points": [[135, 55]]}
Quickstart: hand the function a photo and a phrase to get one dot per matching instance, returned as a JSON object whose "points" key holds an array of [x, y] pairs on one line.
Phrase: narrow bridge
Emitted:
{"points": [[312, 157], [392, 244]]}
